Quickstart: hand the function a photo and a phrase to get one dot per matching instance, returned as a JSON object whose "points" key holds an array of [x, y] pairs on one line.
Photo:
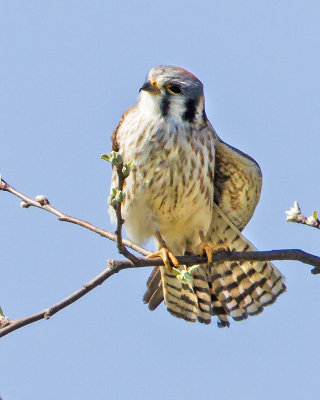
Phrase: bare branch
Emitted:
{"points": [[117, 199], [271, 255], [116, 266], [294, 215], [48, 312], [43, 203]]}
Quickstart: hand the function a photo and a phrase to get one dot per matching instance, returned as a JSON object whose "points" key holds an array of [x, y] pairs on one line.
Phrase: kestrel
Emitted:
{"points": [[193, 193]]}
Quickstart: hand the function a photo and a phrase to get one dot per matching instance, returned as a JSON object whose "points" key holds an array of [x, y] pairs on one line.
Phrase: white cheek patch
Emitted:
{"points": [[177, 107]]}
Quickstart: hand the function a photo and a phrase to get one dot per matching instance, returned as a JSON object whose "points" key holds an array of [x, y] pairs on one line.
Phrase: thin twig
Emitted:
{"points": [[44, 204], [294, 215], [48, 312], [120, 221]]}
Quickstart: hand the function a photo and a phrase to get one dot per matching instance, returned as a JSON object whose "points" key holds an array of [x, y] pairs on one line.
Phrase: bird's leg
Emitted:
{"points": [[164, 253], [209, 248]]}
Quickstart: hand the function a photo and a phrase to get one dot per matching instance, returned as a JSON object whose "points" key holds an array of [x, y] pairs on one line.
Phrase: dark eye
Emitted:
{"points": [[175, 89]]}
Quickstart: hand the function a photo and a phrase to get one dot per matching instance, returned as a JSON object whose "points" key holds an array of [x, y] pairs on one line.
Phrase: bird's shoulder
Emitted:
{"points": [[114, 136]]}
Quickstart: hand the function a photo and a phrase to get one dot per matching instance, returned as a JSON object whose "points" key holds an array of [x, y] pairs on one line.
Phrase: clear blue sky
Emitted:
{"points": [[68, 71]]}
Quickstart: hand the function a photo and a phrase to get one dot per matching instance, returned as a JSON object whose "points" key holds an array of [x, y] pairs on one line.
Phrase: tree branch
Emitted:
{"points": [[43, 203], [48, 312], [121, 169], [114, 266]]}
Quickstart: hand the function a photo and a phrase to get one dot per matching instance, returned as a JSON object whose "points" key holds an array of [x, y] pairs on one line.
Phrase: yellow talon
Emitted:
{"points": [[166, 255], [209, 248]]}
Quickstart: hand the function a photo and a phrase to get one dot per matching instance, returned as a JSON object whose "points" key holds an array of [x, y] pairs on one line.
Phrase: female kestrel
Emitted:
{"points": [[191, 192]]}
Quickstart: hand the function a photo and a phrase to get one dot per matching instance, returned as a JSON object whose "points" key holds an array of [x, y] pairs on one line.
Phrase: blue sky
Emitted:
{"points": [[68, 71]]}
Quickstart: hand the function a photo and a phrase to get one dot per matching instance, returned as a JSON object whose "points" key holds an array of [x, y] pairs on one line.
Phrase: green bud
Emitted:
{"points": [[112, 201], [113, 157], [185, 276], [105, 157], [176, 271], [116, 197], [119, 197], [116, 159], [126, 169], [193, 268]]}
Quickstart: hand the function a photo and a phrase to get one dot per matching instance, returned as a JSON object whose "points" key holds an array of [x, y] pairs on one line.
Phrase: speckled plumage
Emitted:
{"points": [[185, 180]]}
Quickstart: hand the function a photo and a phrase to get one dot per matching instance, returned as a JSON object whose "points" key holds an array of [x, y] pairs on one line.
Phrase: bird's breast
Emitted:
{"points": [[171, 182]]}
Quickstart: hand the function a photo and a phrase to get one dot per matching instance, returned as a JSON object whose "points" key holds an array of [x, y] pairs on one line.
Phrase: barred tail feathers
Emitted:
{"points": [[179, 297], [227, 289], [250, 285]]}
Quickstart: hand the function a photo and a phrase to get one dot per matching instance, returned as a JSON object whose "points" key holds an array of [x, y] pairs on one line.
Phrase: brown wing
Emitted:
{"points": [[115, 144], [237, 184], [235, 289]]}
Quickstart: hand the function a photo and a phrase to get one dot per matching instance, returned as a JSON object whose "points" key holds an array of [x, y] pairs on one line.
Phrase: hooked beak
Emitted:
{"points": [[148, 87]]}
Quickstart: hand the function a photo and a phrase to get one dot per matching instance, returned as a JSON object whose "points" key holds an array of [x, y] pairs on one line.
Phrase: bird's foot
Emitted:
{"points": [[166, 256], [209, 248]]}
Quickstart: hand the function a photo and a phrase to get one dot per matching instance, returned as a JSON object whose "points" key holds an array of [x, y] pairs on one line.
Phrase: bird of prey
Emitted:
{"points": [[193, 193]]}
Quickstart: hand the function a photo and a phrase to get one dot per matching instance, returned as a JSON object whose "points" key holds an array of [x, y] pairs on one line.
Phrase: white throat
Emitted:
{"points": [[149, 105]]}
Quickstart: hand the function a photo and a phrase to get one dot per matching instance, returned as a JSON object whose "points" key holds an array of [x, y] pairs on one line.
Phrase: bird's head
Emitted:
{"points": [[172, 92]]}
